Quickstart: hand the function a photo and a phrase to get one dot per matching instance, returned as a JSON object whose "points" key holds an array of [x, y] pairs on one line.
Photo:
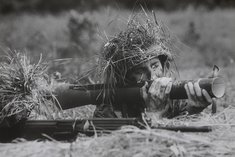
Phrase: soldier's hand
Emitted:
{"points": [[157, 93], [198, 97]]}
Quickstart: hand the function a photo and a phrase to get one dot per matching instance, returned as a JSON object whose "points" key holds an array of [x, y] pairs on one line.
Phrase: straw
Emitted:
{"points": [[24, 88]]}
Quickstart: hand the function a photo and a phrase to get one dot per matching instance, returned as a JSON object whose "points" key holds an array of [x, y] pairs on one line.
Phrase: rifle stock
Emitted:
{"points": [[76, 95]]}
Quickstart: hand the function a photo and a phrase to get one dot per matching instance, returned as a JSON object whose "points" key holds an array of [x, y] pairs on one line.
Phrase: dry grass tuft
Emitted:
{"points": [[27, 92], [24, 88]]}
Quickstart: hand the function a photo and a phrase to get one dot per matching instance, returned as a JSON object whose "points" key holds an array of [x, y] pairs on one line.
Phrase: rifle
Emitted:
{"points": [[69, 129], [76, 95]]}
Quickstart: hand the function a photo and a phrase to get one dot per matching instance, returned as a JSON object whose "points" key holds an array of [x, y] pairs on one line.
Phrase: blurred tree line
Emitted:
{"points": [[8, 6]]}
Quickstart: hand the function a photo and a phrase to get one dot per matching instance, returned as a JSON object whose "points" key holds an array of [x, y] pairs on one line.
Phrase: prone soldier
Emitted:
{"points": [[144, 52]]}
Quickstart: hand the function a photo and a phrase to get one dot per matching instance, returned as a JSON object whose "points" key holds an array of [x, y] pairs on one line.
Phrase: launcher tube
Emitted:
{"points": [[75, 96]]}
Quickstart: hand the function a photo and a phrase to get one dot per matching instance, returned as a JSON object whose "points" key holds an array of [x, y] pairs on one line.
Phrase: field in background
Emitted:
{"points": [[208, 36]]}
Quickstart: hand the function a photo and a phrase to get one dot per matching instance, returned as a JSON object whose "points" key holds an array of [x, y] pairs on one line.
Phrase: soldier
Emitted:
{"points": [[143, 53]]}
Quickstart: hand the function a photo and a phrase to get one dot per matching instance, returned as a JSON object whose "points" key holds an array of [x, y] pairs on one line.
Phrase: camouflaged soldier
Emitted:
{"points": [[145, 51]]}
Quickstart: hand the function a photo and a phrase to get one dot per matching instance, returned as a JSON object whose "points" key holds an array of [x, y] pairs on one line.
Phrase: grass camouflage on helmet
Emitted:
{"points": [[144, 38]]}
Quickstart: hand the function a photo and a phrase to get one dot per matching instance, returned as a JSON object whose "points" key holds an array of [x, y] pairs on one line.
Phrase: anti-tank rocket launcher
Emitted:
{"points": [[75, 95]]}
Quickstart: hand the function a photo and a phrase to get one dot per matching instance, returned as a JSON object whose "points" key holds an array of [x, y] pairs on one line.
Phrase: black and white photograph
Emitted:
{"points": [[117, 78]]}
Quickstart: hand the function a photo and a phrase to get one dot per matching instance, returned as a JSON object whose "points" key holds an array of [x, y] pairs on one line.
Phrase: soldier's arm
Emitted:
{"points": [[181, 107]]}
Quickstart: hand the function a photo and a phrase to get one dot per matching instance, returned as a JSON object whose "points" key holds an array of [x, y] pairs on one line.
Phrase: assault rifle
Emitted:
{"points": [[69, 129], [76, 95]]}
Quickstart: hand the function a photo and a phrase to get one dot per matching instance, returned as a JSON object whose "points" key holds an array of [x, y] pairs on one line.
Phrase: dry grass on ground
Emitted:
{"points": [[131, 141]]}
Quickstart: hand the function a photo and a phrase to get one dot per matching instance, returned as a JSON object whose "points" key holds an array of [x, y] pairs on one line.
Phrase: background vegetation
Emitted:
{"points": [[207, 36], [55, 6]]}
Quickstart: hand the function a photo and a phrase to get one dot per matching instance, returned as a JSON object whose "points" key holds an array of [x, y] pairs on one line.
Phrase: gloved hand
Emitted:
{"points": [[157, 95]]}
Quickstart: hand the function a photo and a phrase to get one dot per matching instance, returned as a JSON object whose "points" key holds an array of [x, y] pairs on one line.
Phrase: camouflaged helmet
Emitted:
{"points": [[139, 42]]}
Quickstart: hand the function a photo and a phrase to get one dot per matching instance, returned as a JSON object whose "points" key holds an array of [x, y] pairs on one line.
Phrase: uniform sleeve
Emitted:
{"points": [[104, 111], [180, 107]]}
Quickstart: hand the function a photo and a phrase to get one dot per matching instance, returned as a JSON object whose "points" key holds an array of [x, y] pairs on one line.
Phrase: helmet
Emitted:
{"points": [[139, 42]]}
